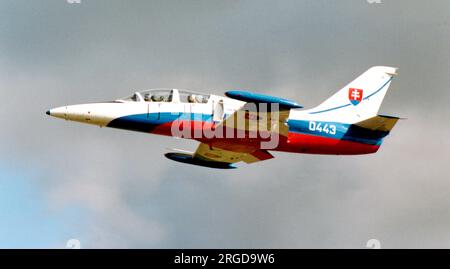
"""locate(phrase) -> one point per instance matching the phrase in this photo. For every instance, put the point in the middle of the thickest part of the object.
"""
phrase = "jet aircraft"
(243, 126)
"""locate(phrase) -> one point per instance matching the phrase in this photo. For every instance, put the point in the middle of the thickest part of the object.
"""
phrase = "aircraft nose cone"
(59, 112)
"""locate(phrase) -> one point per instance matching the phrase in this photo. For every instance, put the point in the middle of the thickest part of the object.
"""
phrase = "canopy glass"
(167, 95)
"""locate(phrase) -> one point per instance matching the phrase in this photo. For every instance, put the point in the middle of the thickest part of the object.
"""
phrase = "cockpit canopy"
(167, 95)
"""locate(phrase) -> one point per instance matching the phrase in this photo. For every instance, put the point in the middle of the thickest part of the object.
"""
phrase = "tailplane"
(371, 131)
(379, 123)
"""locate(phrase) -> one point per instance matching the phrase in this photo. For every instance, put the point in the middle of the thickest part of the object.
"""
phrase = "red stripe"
(295, 142)
(303, 143)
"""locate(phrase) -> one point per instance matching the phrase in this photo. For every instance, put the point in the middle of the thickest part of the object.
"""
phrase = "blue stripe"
(344, 131)
(365, 98)
(326, 110)
(147, 122)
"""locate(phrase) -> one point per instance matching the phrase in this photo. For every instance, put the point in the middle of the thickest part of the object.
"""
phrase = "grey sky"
(112, 188)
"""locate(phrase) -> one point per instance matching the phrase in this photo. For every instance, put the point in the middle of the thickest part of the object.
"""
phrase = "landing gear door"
(218, 112)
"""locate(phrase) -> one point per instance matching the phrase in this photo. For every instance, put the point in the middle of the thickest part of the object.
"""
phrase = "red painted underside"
(304, 143)
(295, 142)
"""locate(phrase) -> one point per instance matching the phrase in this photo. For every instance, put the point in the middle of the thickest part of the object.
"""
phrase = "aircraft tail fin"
(360, 99)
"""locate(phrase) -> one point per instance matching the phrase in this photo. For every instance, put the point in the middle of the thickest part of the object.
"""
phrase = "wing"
(262, 115)
(212, 157)
(255, 122)
(249, 121)
(214, 154)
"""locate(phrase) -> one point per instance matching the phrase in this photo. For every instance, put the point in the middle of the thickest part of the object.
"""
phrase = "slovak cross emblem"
(355, 96)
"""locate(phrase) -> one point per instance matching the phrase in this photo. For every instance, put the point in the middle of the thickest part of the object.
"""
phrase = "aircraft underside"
(298, 139)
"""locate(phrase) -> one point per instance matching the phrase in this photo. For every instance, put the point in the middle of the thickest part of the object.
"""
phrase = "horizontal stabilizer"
(262, 98)
(379, 123)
